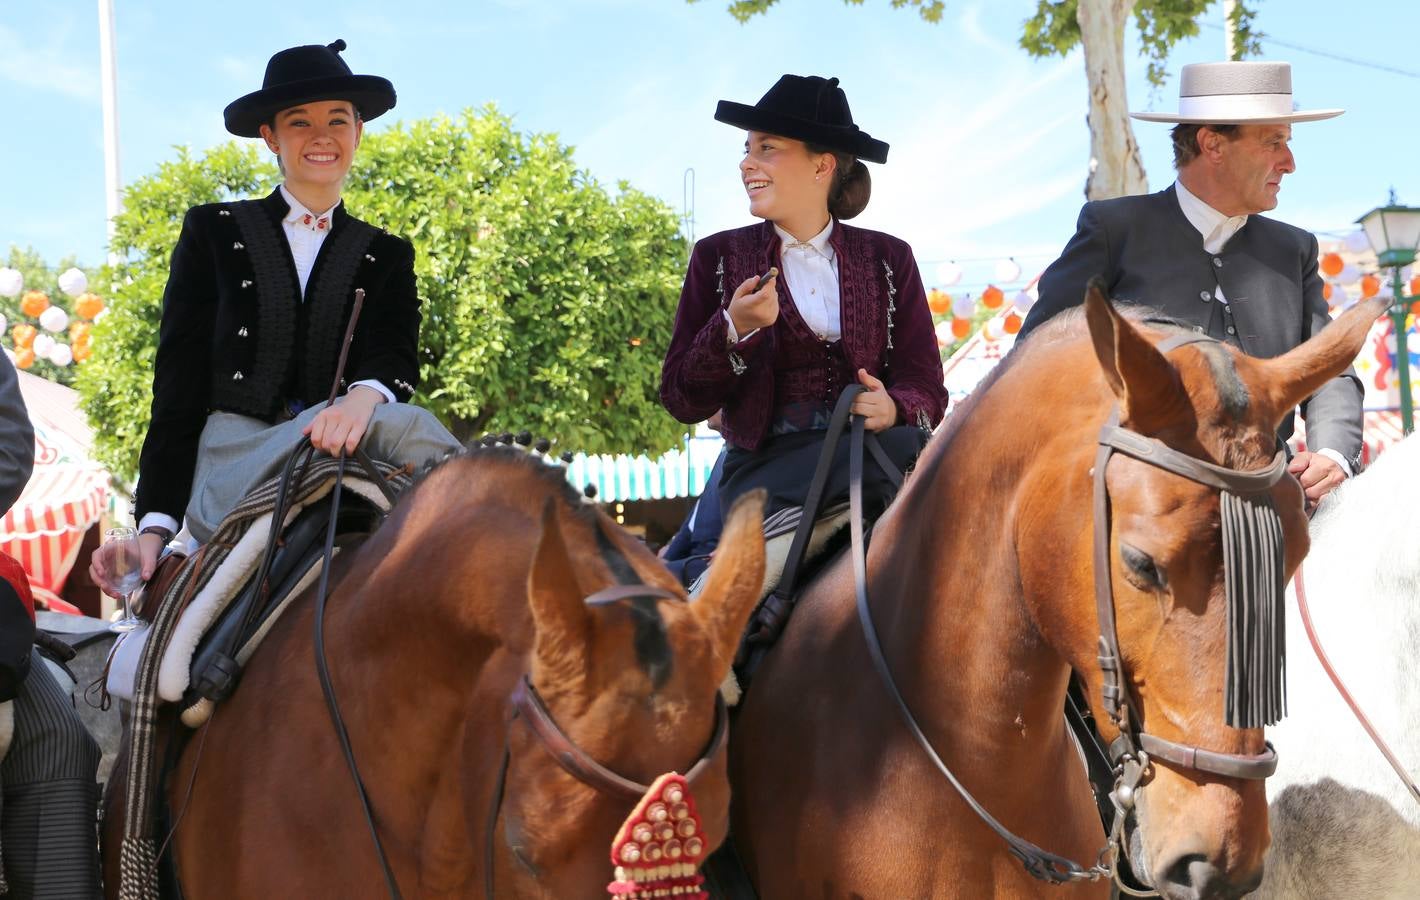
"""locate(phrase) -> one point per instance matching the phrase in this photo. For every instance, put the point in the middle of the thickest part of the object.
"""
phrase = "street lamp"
(1394, 233)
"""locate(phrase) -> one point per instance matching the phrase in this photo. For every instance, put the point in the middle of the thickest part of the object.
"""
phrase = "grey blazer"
(1150, 254)
(17, 438)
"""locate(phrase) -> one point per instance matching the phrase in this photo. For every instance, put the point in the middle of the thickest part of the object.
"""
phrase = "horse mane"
(553, 477)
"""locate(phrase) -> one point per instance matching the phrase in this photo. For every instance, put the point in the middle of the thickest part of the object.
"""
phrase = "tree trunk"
(1115, 167)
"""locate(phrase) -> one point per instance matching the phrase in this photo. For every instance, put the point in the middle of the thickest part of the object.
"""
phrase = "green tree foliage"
(547, 298)
(1054, 30)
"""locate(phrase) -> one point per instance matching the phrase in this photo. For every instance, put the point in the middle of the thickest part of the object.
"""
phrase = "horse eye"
(1140, 568)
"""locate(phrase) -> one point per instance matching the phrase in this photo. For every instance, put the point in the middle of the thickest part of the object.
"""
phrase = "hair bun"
(338, 46)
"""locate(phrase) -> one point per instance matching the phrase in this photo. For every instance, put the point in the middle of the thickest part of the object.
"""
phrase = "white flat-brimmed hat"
(1237, 93)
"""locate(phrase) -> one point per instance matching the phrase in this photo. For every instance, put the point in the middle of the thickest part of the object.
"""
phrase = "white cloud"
(39, 61)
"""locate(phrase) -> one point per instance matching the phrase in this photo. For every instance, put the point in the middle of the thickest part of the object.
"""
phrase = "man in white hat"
(1200, 253)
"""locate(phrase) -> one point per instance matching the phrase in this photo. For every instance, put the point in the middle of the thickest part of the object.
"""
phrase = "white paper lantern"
(1349, 274)
(948, 273)
(963, 306)
(1008, 270)
(944, 332)
(1356, 242)
(60, 354)
(993, 329)
(54, 319)
(43, 343)
(73, 282)
(1023, 302)
(11, 282)
(4, 323)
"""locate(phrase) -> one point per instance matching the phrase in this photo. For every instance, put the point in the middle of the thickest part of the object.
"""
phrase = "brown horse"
(981, 583)
(477, 577)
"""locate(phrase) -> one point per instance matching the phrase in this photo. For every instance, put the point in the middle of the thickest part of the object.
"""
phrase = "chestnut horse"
(981, 583)
(477, 577)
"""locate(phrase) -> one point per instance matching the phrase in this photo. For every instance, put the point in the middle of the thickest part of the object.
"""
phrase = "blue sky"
(989, 147)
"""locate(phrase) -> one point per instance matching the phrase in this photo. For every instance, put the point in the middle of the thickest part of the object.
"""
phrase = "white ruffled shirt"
(305, 232)
(1217, 229)
(810, 269)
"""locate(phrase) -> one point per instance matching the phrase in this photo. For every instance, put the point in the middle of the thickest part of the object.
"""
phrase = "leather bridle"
(1133, 752)
(529, 708)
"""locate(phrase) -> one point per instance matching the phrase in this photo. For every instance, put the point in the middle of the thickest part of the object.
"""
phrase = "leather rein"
(529, 708)
(1133, 752)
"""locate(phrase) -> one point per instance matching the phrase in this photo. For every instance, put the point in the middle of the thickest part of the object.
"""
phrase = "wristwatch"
(160, 531)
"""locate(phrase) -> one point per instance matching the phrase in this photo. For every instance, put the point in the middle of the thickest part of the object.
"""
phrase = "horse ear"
(1147, 385)
(735, 579)
(562, 625)
(1297, 374)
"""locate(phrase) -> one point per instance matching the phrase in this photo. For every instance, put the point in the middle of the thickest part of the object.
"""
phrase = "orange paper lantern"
(88, 305)
(1012, 323)
(1370, 286)
(1326, 292)
(961, 328)
(992, 297)
(34, 303)
(79, 331)
(82, 351)
(23, 335)
(938, 301)
(1415, 286)
(1332, 264)
(24, 359)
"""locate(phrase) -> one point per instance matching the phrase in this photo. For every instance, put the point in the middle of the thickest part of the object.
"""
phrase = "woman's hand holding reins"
(341, 425)
(875, 404)
(751, 309)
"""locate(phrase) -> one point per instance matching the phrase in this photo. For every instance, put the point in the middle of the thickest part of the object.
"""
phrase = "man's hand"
(751, 309)
(874, 404)
(341, 425)
(1318, 473)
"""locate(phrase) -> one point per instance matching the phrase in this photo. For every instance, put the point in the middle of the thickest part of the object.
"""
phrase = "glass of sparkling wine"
(126, 568)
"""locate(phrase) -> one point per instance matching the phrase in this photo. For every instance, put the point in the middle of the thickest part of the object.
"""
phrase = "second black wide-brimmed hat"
(303, 74)
(806, 108)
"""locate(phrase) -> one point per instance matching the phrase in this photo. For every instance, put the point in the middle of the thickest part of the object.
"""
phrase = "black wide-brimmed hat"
(300, 75)
(806, 108)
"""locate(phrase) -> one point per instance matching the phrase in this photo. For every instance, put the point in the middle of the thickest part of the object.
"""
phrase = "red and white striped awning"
(45, 527)
(65, 496)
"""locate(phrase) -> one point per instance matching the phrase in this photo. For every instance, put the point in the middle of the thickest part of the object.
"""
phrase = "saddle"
(218, 659)
(816, 533)
(225, 598)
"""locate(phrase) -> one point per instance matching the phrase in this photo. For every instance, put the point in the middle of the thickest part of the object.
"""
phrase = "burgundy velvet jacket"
(887, 329)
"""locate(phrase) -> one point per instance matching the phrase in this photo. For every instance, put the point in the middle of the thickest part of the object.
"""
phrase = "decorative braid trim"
(138, 870)
(892, 304)
(326, 311)
(277, 306)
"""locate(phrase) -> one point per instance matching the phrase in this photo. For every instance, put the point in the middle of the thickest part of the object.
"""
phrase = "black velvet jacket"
(237, 337)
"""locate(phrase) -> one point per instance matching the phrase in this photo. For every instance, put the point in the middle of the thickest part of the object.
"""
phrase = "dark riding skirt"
(784, 466)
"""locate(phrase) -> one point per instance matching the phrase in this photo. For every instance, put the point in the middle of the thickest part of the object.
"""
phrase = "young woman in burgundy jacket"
(847, 306)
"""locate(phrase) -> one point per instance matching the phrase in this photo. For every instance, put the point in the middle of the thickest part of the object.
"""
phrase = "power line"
(1326, 53)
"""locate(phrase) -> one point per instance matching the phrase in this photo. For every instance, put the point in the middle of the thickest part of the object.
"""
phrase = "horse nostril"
(1194, 877)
